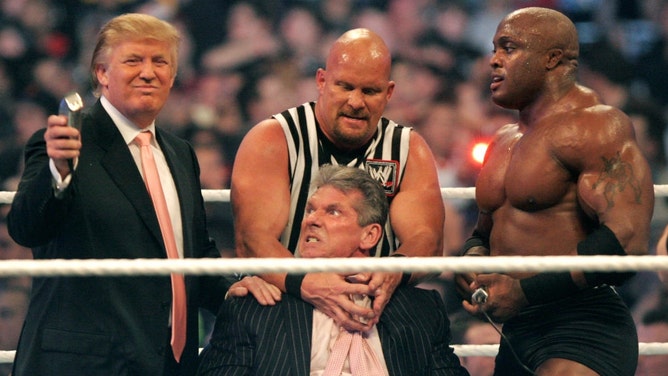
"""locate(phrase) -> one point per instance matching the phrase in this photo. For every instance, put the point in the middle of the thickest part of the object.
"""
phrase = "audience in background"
(653, 328)
(13, 307)
(14, 293)
(10, 250)
(241, 53)
(45, 48)
(471, 330)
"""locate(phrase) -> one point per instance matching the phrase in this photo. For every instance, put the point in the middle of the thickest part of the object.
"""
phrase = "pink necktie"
(363, 360)
(152, 180)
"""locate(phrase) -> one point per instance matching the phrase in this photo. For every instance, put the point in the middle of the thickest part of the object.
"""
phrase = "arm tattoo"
(617, 176)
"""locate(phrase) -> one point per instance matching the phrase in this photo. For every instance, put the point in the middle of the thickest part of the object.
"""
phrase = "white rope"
(223, 195)
(7, 356)
(135, 267)
(482, 350)
(6, 197)
(651, 348)
(661, 190)
(216, 195)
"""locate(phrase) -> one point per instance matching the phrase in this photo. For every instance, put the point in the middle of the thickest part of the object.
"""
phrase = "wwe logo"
(385, 172)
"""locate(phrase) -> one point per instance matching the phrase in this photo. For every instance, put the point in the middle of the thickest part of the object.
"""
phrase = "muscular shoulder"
(268, 128)
(505, 133)
(503, 137)
(264, 148)
(265, 138)
(418, 149)
(590, 131)
(583, 115)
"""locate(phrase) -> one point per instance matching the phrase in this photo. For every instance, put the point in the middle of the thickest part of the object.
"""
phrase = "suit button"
(165, 305)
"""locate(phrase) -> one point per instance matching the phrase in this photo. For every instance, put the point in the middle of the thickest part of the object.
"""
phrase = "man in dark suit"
(82, 196)
(343, 218)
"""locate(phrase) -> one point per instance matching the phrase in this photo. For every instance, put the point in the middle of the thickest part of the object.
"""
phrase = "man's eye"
(345, 86)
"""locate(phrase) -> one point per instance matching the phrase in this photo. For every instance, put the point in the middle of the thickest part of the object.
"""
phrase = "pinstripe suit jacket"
(250, 339)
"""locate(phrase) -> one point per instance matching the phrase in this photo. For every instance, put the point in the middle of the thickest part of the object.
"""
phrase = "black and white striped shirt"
(384, 158)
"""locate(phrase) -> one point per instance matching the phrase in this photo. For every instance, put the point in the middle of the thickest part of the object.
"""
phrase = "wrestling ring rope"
(125, 267)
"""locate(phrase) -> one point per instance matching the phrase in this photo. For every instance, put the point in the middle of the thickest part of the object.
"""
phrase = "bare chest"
(524, 172)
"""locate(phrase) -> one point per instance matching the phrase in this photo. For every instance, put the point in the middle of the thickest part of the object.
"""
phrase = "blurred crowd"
(242, 61)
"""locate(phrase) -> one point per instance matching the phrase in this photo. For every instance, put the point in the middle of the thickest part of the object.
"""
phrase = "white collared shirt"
(325, 333)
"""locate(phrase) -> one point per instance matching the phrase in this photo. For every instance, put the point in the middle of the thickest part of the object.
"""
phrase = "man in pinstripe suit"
(343, 218)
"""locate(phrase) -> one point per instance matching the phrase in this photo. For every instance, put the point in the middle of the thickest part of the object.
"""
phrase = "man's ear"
(555, 56)
(371, 234)
(101, 74)
(320, 79)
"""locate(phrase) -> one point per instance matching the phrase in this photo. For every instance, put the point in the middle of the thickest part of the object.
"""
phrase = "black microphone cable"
(479, 297)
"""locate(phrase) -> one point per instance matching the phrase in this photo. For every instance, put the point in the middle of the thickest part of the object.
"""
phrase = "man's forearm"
(276, 279)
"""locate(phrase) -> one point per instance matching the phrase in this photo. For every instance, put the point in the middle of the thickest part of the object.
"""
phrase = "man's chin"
(309, 251)
(351, 139)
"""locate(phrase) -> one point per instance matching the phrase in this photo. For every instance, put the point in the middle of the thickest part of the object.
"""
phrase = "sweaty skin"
(570, 164)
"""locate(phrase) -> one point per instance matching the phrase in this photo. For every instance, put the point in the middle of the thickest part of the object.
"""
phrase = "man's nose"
(313, 218)
(494, 60)
(356, 99)
(147, 71)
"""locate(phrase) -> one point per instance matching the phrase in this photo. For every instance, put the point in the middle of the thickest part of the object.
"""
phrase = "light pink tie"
(152, 180)
(363, 360)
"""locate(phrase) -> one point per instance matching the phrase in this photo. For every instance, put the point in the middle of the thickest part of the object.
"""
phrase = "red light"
(478, 152)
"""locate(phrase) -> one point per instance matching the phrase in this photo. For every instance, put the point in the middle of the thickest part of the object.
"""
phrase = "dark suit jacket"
(106, 325)
(250, 339)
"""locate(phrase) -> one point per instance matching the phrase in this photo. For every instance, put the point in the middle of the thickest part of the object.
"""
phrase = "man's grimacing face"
(330, 226)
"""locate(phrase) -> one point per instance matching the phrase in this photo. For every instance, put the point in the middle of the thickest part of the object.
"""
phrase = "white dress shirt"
(325, 333)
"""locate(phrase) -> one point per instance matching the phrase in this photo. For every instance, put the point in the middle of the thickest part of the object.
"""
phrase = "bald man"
(279, 156)
(567, 179)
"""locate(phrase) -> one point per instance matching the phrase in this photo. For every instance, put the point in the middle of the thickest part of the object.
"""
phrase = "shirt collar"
(128, 129)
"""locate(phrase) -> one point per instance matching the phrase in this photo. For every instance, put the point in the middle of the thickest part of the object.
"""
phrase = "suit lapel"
(180, 173)
(392, 332)
(299, 325)
(388, 343)
(121, 167)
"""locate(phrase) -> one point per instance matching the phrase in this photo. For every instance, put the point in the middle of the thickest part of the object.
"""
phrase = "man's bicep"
(260, 190)
(416, 215)
(417, 211)
(619, 193)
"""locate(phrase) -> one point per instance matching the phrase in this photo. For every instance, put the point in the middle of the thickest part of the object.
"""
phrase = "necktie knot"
(143, 138)
(353, 346)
